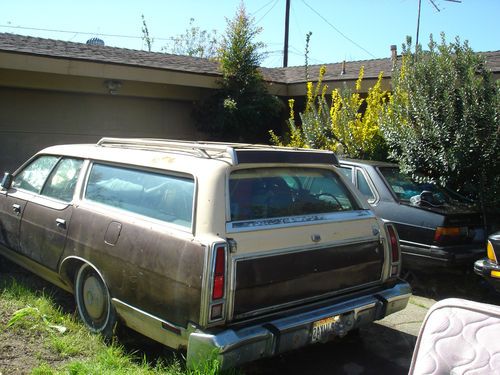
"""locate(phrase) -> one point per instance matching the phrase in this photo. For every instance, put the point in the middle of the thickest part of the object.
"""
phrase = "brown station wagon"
(242, 251)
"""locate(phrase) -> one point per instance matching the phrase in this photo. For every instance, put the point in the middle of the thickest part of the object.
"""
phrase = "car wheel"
(94, 302)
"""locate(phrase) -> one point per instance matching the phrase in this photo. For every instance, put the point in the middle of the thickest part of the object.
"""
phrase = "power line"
(262, 7)
(338, 31)
(79, 32)
(270, 9)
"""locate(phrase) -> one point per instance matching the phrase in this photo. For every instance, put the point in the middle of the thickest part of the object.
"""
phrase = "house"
(54, 92)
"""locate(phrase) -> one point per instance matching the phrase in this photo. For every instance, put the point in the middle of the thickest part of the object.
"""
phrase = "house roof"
(153, 60)
(104, 54)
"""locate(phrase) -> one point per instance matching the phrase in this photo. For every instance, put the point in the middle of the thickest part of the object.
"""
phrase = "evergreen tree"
(242, 109)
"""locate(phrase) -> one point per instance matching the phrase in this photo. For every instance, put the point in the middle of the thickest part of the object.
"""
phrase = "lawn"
(40, 333)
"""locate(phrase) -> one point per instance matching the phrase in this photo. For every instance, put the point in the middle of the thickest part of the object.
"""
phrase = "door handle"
(16, 208)
(61, 223)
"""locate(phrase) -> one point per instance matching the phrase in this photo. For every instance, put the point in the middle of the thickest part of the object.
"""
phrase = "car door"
(47, 215)
(26, 184)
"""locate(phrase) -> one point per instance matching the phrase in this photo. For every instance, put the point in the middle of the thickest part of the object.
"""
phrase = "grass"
(57, 343)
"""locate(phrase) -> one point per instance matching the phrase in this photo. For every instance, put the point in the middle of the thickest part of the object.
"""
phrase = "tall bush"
(443, 118)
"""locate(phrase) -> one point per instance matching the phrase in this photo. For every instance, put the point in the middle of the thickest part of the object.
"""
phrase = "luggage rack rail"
(237, 152)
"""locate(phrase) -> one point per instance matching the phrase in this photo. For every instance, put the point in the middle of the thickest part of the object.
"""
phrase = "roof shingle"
(113, 55)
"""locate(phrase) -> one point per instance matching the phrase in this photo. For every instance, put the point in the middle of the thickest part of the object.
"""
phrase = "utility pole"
(287, 22)
(418, 23)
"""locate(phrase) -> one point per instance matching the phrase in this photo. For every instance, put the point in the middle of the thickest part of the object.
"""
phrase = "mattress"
(458, 337)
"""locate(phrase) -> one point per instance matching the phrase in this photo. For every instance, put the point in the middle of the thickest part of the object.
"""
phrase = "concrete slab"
(410, 319)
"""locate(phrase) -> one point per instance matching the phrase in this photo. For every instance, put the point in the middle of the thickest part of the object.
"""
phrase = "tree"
(443, 118)
(145, 34)
(242, 109)
(338, 123)
(194, 42)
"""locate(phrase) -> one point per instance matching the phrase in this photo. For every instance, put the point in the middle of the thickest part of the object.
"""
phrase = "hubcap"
(94, 298)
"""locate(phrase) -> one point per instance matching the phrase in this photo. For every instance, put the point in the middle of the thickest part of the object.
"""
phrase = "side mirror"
(6, 181)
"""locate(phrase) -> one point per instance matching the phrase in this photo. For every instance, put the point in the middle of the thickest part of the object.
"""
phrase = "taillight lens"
(394, 247)
(219, 273)
(450, 234)
(393, 242)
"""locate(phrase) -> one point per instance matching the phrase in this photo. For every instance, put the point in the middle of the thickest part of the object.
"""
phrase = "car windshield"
(407, 189)
(263, 193)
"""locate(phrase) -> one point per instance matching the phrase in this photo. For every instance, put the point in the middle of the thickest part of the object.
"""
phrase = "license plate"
(323, 328)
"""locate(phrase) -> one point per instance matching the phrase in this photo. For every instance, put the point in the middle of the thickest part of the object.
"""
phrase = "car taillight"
(394, 247)
(450, 234)
(219, 282)
(219, 273)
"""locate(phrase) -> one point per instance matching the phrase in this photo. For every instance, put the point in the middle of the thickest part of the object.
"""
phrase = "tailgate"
(315, 261)
(300, 236)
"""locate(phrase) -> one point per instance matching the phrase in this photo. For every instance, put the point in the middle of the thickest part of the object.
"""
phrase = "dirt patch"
(21, 349)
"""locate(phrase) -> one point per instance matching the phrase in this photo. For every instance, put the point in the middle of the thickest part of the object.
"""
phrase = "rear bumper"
(437, 256)
(270, 338)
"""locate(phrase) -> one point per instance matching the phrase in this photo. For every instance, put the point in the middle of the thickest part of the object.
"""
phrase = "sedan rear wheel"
(94, 301)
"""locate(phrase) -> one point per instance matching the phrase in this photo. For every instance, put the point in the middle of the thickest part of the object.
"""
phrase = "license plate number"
(323, 328)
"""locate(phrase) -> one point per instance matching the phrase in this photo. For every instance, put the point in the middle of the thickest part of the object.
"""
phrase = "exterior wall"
(33, 119)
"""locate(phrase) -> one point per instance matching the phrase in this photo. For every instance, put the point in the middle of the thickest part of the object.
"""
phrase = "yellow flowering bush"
(337, 122)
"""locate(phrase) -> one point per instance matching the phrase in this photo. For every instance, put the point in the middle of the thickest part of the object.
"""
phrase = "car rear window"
(276, 192)
(164, 197)
(405, 188)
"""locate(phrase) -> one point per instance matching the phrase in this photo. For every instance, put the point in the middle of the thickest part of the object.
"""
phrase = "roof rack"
(238, 153)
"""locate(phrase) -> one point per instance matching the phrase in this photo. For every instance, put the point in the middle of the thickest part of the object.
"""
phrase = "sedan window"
(346, 171)
(34, 175)
(364, 187)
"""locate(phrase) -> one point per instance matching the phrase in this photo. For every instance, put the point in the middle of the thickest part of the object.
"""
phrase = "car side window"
(164, 197)
(347, 172)
(34, 175)
(364, 187)
(62, 181)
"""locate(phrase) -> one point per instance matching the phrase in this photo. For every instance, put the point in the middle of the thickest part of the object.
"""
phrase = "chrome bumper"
(270, 338)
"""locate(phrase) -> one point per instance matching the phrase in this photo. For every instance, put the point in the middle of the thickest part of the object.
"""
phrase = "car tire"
(93, 302)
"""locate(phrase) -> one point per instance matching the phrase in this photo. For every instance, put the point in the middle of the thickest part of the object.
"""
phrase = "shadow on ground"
(376, 349)
(439, 284)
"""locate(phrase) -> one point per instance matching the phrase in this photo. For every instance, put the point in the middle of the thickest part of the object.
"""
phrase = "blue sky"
(341, 29)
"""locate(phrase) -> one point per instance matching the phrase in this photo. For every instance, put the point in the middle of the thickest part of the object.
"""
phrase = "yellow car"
(489, 268)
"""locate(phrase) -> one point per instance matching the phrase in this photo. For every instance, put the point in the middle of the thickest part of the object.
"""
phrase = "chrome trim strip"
(205, 283)
(411, 225)
(291, 250)
(410, 243)
(295, 221)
